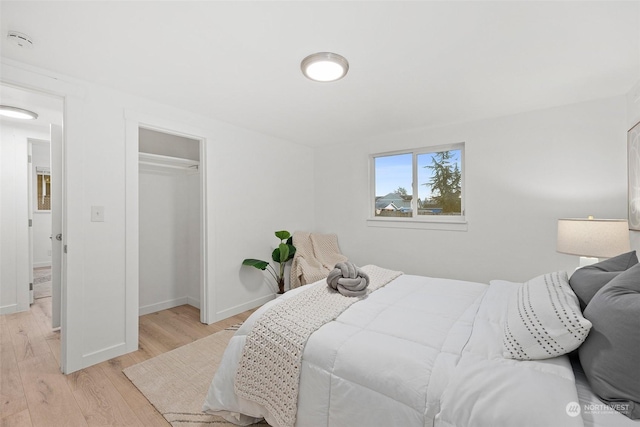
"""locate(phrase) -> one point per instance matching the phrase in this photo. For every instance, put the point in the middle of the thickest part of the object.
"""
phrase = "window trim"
(435, 222)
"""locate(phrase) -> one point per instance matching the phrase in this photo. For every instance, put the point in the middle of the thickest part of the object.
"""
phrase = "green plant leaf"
(292, 251)
(284, 252)
(280, 253)
(275, 255)
(257, 263)
(283, 234)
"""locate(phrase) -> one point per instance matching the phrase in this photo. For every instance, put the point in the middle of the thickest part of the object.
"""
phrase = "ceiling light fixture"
(17, 113)
(324, 67)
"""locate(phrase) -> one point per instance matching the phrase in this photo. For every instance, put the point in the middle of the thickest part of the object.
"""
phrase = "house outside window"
(420, 185)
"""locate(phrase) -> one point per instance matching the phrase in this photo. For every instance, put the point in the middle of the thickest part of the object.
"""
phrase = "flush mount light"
(17, 113)
(324, 67)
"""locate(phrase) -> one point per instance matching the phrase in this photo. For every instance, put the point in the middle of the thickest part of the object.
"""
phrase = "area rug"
(41, 282)
(176, 383)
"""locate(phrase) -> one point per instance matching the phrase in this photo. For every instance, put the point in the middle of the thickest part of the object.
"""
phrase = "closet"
(169, 221)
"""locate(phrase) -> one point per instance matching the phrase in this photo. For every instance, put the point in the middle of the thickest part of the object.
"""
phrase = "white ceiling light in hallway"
(17, 113)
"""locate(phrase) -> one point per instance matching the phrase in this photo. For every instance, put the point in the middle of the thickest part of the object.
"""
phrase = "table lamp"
(592, 238)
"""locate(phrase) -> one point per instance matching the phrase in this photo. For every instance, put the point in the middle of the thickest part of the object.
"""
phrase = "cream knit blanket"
(316, 255)
(269, 368)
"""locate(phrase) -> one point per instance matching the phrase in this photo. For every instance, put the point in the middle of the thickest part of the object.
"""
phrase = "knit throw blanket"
(269, 368)
(316, 255)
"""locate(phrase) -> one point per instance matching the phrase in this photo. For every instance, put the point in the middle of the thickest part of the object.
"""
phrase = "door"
(30, 205)
(57, 246)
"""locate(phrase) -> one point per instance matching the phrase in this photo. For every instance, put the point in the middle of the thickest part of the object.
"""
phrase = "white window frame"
(41, 171)
(429, 222)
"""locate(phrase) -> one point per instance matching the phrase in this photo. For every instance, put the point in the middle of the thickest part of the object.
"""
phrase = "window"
(424, 185)
(43, 183)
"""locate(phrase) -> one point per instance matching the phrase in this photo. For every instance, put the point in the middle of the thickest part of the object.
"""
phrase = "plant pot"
(281, 285)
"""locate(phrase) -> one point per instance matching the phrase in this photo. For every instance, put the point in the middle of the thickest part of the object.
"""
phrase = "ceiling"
(412, 64)
(49, 108)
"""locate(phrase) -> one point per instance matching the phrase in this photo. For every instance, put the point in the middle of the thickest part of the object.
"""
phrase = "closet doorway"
(170, 221)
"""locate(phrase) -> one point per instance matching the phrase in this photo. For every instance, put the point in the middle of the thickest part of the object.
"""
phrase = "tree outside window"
(434, 175)
(440, 183)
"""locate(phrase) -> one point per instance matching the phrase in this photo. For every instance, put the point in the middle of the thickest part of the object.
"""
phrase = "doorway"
(135, 122)
(169, 206)
(36, 198)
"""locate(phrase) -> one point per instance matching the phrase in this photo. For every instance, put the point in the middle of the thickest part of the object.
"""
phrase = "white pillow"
(544, 319)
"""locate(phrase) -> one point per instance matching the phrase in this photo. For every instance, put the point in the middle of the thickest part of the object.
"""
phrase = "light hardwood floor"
(33, 392)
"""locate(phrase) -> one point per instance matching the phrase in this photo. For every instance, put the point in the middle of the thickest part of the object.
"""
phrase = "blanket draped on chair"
(316, 255)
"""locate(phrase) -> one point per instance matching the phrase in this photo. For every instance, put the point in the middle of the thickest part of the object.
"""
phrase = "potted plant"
(283, 253)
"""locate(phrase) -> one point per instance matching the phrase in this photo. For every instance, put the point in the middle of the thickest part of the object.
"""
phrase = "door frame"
(30, 196)
(135, 121)
(23, 293)
(72, 97)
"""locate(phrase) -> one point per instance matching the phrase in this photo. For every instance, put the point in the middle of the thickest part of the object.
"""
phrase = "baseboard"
(14, 308)
(9, 309)
(42, 264)
(193, 302)
(152, 308)
(232, 311)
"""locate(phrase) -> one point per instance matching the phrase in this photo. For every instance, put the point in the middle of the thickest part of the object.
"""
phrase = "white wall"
(169, 224)
(165, 144)
(193, 240)
(262, 185)
(166, 240)
(633, 105)
(40, 155)
(14, 211)
(255, 184)
(523, 172)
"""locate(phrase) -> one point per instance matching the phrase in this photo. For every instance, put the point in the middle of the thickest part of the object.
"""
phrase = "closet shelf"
(148, 161)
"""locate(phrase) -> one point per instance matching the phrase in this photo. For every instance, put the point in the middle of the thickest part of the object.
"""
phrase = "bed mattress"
(418, 352)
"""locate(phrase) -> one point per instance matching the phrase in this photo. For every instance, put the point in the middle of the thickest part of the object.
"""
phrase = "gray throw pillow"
(586, 281)
(610, 354)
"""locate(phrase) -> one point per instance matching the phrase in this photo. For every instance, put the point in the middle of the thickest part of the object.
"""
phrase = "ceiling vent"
(19, 39)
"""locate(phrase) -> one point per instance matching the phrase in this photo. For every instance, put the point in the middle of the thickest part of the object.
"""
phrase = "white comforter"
(418, 352)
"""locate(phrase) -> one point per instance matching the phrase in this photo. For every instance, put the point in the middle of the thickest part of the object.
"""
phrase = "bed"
(418, 351)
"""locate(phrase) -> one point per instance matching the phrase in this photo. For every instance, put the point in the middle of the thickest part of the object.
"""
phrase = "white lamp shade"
(598, 238)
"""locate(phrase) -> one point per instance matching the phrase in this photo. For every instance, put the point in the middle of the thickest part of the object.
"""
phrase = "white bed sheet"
(384, 361)
(488, 390)
(379, 353)
(418, 352)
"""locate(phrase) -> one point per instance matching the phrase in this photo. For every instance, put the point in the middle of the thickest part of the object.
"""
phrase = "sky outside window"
(393, 172)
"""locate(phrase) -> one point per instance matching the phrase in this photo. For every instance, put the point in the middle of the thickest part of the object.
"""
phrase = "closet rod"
(157, 160)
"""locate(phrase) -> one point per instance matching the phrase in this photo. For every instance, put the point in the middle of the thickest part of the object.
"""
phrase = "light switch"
(97, 213)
